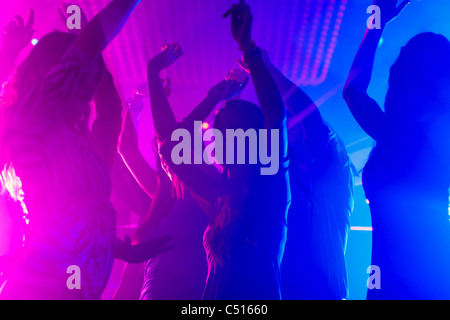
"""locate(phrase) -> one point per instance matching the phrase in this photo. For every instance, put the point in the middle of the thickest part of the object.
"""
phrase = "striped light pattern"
(300, 36)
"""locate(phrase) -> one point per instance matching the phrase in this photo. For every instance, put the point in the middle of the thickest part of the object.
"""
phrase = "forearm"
(104, 27)
(162, 206)
(108, 122)
(126, 187)
(143, 173)
(267, 91)
(295, 99)
(362, 67)
(201, 112)
(202, 179)
(364, 109)
(299, 104)
(163, 117)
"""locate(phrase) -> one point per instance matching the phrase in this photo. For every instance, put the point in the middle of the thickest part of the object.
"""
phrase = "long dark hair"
(30, 72)
(418, 93)
(234, 205)
(419, 81)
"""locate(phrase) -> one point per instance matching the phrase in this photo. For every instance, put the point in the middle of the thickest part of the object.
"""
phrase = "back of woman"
(407, 188)
(65, 182)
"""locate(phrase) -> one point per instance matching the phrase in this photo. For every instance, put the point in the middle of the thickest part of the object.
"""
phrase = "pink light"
(302, 36)
(311, 42)
(322, 41)
(332, 45)
(205, 125)
(361, 228)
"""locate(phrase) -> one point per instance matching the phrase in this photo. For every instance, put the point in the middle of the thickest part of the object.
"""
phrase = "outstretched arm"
(298, 103)
(222, 91)
(129, 143)
(306, 113)
(366, 110)
(266, 89)
(203, 180)
(163, 116)
(104, 27)
(108, 122)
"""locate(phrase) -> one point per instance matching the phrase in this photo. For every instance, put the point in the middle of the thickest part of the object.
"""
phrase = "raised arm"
(266, 89)
(203, 180)
(129, 148)
(298, 103)
(224, 90)
(366, 110)
(163, 116)
(108, 122)
(104, 27)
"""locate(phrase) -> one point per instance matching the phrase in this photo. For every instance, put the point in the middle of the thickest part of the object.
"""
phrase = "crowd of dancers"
(267, 237)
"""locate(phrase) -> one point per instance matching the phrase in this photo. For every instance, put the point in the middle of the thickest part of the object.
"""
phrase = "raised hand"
(238, 75)
(229, 88)
(224, 90)
(17, 34)
(171, 53)
(241, 25)
(389, 9)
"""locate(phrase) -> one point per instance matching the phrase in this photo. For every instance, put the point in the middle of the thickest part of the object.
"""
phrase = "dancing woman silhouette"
(407, 176)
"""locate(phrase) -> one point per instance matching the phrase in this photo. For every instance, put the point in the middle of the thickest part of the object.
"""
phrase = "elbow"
(277, 120)
(347, 91)
(351, 91)
(355, 88)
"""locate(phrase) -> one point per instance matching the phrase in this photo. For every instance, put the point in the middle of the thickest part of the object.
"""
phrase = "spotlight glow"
(361, 228)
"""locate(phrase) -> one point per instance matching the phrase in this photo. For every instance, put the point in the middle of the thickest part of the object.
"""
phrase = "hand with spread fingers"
(17, 34)
(171, 53)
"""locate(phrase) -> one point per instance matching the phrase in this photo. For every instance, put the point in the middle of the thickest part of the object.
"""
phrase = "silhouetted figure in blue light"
(321, 178)
(407, 176)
